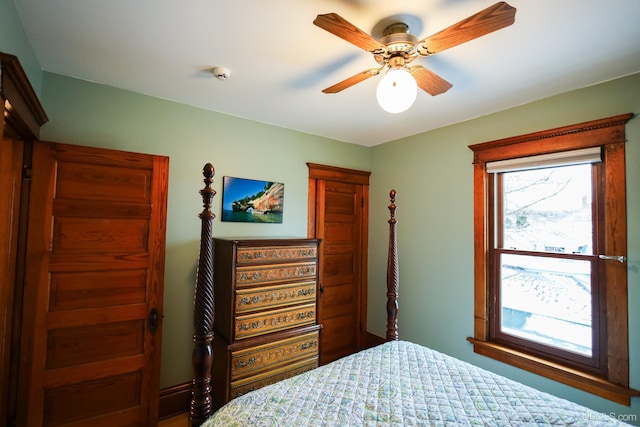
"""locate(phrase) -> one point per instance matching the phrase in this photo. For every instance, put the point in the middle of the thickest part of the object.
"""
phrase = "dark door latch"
(153, 320)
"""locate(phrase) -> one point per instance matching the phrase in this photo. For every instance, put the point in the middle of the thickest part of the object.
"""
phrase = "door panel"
(75, 291)
(341, 341)
(99, 236)
(94, 343)
(339, 267)
(91, 398)
(95, 266)
(340, 231)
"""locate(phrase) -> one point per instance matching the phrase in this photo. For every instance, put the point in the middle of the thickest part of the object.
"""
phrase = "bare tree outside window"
(546, 298)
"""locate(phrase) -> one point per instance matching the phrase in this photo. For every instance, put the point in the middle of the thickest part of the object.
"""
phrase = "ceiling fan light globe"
(397, 90)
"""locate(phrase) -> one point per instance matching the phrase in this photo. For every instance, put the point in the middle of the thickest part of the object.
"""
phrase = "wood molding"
(371, 340)
(24, 115)
(174, 400)
(601, 132)
(584, 381)
(334, 173)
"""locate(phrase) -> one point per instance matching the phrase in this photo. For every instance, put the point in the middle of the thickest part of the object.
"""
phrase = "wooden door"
(90, 342)
(10, 194)
(339, 200)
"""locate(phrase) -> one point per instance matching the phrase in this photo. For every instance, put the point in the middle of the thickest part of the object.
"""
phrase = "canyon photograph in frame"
(250, 200)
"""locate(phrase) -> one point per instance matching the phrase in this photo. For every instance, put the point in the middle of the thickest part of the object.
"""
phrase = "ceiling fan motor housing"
(400, 46)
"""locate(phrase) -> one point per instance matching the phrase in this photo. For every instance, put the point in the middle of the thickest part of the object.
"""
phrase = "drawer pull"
(246, 300)
(308, 345)
(245, 363)
(308, 314)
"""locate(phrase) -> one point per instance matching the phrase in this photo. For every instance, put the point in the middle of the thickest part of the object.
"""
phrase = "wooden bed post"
(202, 357)
(392, 273)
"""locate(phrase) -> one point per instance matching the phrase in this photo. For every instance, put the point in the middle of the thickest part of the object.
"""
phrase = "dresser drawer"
(265, 327)
(240, 387)
(270, 356)
(269, 254)
(267, 297)
(259, 274)
(250, 325)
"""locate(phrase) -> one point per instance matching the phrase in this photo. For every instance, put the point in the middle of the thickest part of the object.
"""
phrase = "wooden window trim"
(608, 133)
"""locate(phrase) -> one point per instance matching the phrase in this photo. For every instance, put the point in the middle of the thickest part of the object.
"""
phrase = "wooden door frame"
(23, 115)
(352, 176)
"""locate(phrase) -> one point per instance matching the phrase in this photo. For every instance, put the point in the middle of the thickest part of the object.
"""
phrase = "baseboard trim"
(174, 400)
(371, 340)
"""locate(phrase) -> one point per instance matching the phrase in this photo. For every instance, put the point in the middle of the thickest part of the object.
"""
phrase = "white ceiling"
(280, 62)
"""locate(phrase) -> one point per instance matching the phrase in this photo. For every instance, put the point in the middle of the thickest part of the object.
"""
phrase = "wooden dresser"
(265, 317)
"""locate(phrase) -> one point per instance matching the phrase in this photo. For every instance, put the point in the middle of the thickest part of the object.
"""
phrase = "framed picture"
(249, 200)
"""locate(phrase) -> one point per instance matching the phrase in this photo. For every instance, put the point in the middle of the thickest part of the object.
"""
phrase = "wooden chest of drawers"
(265, 320)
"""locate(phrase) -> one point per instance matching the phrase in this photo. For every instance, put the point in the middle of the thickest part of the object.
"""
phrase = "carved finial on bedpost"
(201, 406)
(392, 273)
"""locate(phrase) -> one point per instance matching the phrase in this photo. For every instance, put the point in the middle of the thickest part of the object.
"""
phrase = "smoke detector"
(221, 73)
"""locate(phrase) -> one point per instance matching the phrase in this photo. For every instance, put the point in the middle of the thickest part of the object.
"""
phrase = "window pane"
(547, 300)
(548, 210)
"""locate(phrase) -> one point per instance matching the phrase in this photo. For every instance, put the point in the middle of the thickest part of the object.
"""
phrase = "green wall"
(14, 40)
(433, 175)
(89, 114)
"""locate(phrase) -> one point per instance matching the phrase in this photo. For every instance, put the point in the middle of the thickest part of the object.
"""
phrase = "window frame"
(594, 364)
(612, 382)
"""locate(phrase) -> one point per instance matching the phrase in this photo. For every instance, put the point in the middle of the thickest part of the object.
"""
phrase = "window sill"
(572, 377)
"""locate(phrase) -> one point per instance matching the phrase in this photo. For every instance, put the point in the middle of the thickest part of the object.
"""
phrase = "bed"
(396, 383)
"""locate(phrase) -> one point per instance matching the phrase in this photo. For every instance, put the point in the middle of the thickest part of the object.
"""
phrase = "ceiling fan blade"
(337, 25)
(347, 83)
(491, 19)
(429, 81)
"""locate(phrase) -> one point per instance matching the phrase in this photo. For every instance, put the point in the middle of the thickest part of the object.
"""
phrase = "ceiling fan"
(398, 48)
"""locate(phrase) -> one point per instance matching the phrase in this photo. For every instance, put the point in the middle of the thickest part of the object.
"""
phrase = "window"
(543, 271)
(550, 212)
